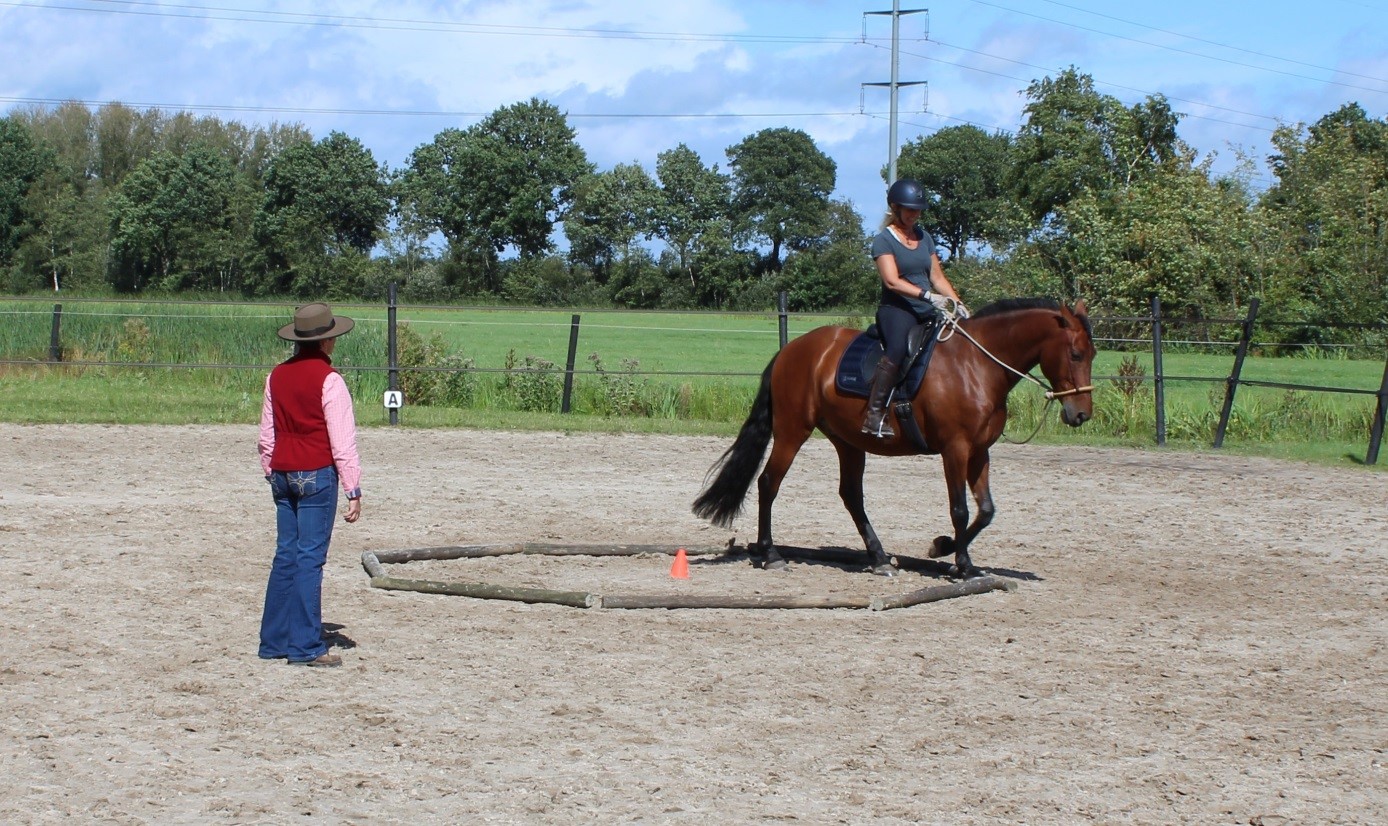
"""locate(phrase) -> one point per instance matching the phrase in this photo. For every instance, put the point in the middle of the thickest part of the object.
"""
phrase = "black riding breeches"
(894, 323)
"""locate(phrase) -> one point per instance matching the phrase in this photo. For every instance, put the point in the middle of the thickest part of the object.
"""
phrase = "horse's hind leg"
(852, 462)
(785, 445)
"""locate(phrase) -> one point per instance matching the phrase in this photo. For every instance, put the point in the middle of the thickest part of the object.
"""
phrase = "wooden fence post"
(392, 351)
(782, 313)
(1376, 432)
(566, 404)
(1231, 384)
(55, 345)
(1158, 380)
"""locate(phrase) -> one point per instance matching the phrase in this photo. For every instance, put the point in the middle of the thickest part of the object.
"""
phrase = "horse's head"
(1067, 360)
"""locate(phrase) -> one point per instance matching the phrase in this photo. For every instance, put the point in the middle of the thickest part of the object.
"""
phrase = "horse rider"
(914, 290)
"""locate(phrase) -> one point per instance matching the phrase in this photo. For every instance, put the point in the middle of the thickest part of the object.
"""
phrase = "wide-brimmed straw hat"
(316, 322)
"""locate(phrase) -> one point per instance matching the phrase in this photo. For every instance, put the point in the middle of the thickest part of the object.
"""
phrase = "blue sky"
(637, 78)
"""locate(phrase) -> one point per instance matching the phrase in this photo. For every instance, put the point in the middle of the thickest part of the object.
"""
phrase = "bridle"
(951, 325)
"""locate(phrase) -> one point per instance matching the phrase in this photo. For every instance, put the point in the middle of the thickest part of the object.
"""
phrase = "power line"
(222, 13)
(1229, 46)
(1178, 50)
(443, 26)
(1105, 83)
(201, 12)
(895, 84)
(304, 110)
(1115, 85)
(1274, 118)
(370, 22)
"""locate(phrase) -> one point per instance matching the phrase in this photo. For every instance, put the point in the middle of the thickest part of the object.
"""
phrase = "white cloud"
(383, 61)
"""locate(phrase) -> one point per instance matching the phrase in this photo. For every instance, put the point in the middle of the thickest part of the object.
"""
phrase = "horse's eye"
(1076, 355)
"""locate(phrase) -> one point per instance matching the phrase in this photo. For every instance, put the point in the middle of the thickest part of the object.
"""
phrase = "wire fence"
(1146, 334)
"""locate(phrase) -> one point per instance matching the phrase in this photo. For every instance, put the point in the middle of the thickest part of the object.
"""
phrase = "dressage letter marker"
(394, 400)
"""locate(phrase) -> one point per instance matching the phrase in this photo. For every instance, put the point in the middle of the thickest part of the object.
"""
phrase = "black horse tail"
(721, 502)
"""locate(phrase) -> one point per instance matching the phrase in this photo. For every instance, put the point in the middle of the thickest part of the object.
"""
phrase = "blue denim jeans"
(305, 506)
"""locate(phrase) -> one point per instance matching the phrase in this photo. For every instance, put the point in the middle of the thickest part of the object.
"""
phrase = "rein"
(952, 325)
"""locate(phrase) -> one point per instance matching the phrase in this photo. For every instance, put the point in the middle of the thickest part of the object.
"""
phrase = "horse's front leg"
(983, 497)
(964, 473)
(852, 462)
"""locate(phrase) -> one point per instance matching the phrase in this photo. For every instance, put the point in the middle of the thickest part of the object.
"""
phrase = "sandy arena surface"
(1194, 639)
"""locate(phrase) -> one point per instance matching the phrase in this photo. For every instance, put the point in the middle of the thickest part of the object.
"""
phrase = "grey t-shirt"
(912, 264)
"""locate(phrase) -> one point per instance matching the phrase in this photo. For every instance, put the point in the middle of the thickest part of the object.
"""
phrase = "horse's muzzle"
(1074, 418)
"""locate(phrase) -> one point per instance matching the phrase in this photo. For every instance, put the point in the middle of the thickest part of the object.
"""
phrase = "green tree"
(610, 211)
(68, 243)
(637, 282)
(504, 182)
(694, 204)
(550, 281)
(1076, 140)
(1329, 210)
(68, 131)
(966, 173)
(22, 162)
(782, 184)
(66, 246)
(324, 208)
(723, 271)
(171, 221)
(1177, 235)
(123, 137)
(834, 270)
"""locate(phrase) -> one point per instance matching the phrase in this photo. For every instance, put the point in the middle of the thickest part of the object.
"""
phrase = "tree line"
(1090, 197)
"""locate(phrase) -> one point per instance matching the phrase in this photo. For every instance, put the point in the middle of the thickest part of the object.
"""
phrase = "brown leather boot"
(875, 422)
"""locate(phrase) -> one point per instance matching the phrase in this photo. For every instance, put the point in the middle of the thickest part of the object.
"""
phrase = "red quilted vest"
(301, 430)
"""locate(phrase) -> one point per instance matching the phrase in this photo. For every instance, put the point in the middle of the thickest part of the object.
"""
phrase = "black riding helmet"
(908, 193)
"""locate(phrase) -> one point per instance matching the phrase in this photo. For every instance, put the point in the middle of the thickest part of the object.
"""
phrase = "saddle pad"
(854, 374)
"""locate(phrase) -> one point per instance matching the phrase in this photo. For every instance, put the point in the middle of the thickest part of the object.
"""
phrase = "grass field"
(138, 362)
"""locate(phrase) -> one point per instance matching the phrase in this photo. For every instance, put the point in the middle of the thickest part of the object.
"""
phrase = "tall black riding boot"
(876, 420)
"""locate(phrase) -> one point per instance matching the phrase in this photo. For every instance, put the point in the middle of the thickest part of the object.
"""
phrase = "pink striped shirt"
(342, 431)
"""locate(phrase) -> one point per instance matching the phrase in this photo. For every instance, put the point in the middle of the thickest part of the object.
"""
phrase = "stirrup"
(883, 429)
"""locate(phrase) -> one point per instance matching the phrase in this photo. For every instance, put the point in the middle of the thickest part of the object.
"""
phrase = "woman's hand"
(941, 302)
(353, 510)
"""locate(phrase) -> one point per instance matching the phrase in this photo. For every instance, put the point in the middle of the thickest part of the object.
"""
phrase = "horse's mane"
(1012, 305)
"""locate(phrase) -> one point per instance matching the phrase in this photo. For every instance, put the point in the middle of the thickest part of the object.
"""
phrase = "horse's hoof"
(942, 546)
(885, 570)
(774, 565)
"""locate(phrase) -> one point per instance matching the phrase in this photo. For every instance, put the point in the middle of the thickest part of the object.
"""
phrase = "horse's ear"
(1080, 308)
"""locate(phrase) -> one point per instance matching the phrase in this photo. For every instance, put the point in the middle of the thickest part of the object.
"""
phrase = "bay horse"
(960, 409)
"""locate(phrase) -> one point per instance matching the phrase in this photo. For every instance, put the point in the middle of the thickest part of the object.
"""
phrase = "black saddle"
(859, 361)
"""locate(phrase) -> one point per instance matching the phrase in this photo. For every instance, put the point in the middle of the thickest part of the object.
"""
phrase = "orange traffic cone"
(680, 570)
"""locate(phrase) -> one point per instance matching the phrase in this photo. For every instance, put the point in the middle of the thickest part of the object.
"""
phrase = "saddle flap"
(916, 339)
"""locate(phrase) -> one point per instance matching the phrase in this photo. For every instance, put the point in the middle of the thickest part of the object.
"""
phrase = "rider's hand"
(941, 302)
(961, 311)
